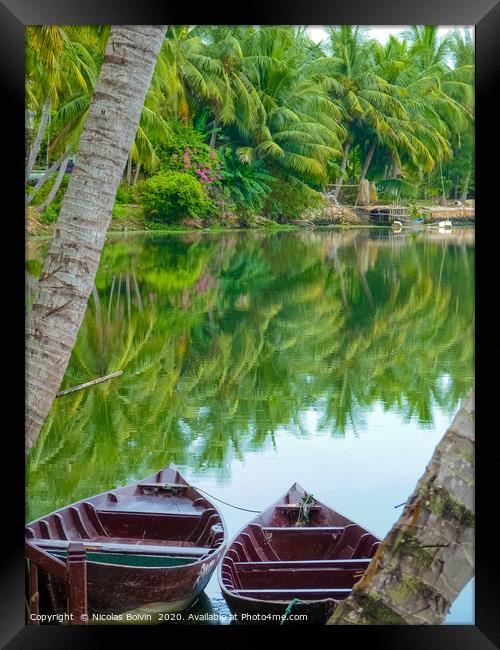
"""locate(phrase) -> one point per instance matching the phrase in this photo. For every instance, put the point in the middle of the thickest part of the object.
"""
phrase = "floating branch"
(90, 383)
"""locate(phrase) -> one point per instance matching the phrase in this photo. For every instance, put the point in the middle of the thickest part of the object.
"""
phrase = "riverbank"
(130, 218)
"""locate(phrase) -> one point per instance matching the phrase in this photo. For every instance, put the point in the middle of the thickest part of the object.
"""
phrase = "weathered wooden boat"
(298, 556)
(147, 547)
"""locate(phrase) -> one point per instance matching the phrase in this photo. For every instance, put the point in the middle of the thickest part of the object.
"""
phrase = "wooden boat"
(151, 546)
(298, 556)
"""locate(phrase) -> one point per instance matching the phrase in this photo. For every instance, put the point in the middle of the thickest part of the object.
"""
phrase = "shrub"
(169, 196)
(289, 199)
(125, 194)
(50, 214)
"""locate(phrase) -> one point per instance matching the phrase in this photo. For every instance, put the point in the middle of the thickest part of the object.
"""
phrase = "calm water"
(252, 360)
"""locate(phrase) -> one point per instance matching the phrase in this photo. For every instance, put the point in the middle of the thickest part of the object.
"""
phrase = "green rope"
(288, 610)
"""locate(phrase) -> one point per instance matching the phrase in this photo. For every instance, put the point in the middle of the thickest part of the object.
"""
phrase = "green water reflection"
(224, 339)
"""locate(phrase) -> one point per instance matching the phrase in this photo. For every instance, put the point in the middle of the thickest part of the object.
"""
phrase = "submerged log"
(428, 556)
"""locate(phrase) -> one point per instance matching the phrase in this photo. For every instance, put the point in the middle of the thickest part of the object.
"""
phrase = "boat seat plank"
(286, 594)
(353, 564)
(296, 506)
(139, 549)
(114, 539)
(163, 488)
(303, 529)
(151, 504)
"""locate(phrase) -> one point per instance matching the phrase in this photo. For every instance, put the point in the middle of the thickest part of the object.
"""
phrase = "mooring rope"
(231, 505)
(288, 610)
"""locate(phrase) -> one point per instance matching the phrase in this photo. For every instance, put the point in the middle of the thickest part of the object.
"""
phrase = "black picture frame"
(14, 15)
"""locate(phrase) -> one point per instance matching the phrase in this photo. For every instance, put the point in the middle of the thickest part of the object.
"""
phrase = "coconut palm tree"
(373, 105)
(400, 97)
(57, 63)
(301, 131)
(71, 264)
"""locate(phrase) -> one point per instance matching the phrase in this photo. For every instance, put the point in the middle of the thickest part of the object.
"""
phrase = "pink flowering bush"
(203, 163)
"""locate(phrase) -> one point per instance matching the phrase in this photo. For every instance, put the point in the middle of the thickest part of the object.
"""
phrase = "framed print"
(248, 322)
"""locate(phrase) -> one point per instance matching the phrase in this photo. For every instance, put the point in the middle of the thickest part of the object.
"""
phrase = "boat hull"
(260, 612)
(119, 590)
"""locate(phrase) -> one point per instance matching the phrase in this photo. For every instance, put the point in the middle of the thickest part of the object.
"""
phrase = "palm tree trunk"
(129, 170)
(213, 137)
(428, 556)
(368, 160)
(41, 182)
(465, 186)
(56, 186)
(71, 264)
(343, 165)
(137, 170)
(38, 140)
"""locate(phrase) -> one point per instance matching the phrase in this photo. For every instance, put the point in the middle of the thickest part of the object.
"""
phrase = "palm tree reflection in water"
(226, 339)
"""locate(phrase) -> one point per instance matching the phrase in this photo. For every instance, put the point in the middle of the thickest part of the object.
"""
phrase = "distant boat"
(152, 545)
(299, 556)
(397, 225)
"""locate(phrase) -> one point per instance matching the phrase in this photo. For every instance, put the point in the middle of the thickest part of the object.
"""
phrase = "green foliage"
(275, 105)
(247, 184)
(289, 199)
(33, 267)
(51, 213)
(126, 193)
(395, 188)
(170, 196)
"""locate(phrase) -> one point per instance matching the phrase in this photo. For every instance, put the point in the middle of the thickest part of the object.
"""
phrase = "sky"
(381, 33)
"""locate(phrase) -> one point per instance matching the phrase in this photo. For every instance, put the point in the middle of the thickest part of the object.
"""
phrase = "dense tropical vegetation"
(262, 118)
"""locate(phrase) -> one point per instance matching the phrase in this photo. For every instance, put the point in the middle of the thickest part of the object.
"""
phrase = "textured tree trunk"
(343, 165)
(213, 137)
(38, 140)
(129, 170)
(41, 181)
(56, 186)
(70, 267)
(137, 170)
(428, 556)
(465, 187)
(368, 160)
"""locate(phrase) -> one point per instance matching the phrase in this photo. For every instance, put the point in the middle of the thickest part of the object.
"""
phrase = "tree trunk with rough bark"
(56, 186)
(213, 137)
(368, 160)
(137, 170)
(343, 165)
(71, 264)
(465, 186)
(38, 140)
(129, 170)
(428, 556)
